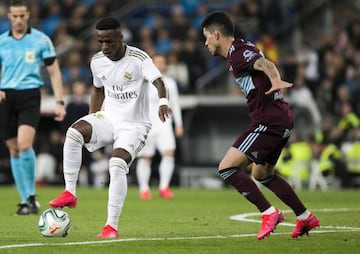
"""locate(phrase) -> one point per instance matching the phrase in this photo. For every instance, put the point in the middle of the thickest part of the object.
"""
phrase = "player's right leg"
(73, 144)
(232, 171)
(92, 131)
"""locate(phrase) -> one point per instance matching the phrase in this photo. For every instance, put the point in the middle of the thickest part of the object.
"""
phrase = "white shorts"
(161, 137)
(128, 136)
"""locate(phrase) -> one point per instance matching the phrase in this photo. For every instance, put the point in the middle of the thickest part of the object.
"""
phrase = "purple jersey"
(270, 110)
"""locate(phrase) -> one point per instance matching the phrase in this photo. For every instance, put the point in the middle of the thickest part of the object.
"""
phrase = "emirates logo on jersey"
(127, 76)
(122, 96)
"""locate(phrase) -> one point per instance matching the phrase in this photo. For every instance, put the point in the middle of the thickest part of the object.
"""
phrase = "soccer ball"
(54, 222)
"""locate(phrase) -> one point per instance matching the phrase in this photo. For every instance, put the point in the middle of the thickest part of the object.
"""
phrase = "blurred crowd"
(325, 70)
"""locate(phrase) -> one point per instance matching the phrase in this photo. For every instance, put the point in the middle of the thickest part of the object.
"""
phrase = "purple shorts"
(261, 144)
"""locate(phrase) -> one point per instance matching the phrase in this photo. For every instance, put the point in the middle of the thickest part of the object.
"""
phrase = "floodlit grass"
(196, 221)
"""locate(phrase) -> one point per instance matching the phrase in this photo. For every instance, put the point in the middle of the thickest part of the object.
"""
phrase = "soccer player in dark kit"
(271, 122)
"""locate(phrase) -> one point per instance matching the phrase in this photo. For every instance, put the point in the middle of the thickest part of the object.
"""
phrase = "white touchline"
(245, 217)
(240, 217)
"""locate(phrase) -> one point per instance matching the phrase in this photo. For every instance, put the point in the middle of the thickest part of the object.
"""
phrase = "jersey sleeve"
(47, 47)
(243, 57)
(150, 71)
(96, 79)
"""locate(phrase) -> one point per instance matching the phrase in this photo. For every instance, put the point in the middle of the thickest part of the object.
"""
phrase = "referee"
(22, 51)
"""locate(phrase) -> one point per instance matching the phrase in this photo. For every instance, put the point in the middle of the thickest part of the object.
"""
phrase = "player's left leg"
(27, 156)
(127, 144)
(282, 189)
(118, 168)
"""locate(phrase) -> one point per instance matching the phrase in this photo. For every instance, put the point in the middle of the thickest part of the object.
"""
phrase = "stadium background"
(315, 44)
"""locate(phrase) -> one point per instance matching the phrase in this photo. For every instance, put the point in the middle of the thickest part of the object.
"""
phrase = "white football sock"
(72, 152)
(304, 215)
(268, 211)
(143, 172)
(117, 190)
(166, 170)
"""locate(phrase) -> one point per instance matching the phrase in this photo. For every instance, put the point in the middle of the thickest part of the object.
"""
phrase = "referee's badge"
(30, 56)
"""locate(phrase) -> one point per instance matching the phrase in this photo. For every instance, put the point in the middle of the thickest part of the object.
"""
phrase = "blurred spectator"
(163, 44)
(77, 106)
(246, 15)
(51, 22)
(272, 16)
(62, 40)
(4, 21)
(190, 6)
(324, 97)
(354, 33)
(288, 65)
(201, 11)
(301, 95)
(308, 57)
(178, 71)
(127, 33)
(74, 69)
(195, 62)
(49, 158)
(267, 45)
(178, 23)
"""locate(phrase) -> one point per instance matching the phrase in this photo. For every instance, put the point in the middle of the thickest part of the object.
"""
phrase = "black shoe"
(23, 209)
(34, 205)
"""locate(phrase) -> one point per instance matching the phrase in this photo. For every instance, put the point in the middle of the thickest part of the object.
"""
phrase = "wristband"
(163, 102)
(61, 102)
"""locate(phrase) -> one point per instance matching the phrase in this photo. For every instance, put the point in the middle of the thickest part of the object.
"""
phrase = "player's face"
(211, 42)
(111, 43)
(19, 17)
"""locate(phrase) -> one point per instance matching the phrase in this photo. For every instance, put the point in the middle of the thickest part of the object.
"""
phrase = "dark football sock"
(245, 186)
(285, 192)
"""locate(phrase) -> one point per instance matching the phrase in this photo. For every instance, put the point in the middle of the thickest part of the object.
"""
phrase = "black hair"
(107, 23)
(220, 21)
(15, 3)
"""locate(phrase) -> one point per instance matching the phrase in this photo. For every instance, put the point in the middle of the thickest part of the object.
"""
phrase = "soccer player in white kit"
(161, 137)
(119, 115)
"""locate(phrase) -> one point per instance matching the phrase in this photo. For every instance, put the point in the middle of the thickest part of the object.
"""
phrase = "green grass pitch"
(196, 221)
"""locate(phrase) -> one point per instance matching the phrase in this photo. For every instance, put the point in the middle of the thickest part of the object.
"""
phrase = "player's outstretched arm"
(164, 110)
(269, 68)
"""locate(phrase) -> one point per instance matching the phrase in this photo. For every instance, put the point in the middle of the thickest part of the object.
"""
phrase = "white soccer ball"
(54, 222)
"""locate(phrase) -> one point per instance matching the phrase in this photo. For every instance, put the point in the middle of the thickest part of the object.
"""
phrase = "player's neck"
(18, 34)
(226, 46)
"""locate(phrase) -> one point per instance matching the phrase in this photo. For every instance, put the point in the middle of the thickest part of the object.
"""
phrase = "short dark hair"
(221, 21)
(15, 3)
(107, 23)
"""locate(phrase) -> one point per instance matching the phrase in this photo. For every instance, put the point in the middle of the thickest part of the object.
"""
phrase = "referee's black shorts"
(20, 107)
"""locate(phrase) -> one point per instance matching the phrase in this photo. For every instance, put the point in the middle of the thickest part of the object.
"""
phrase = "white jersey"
(173, 104)
(125, 89)
(161, 135)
